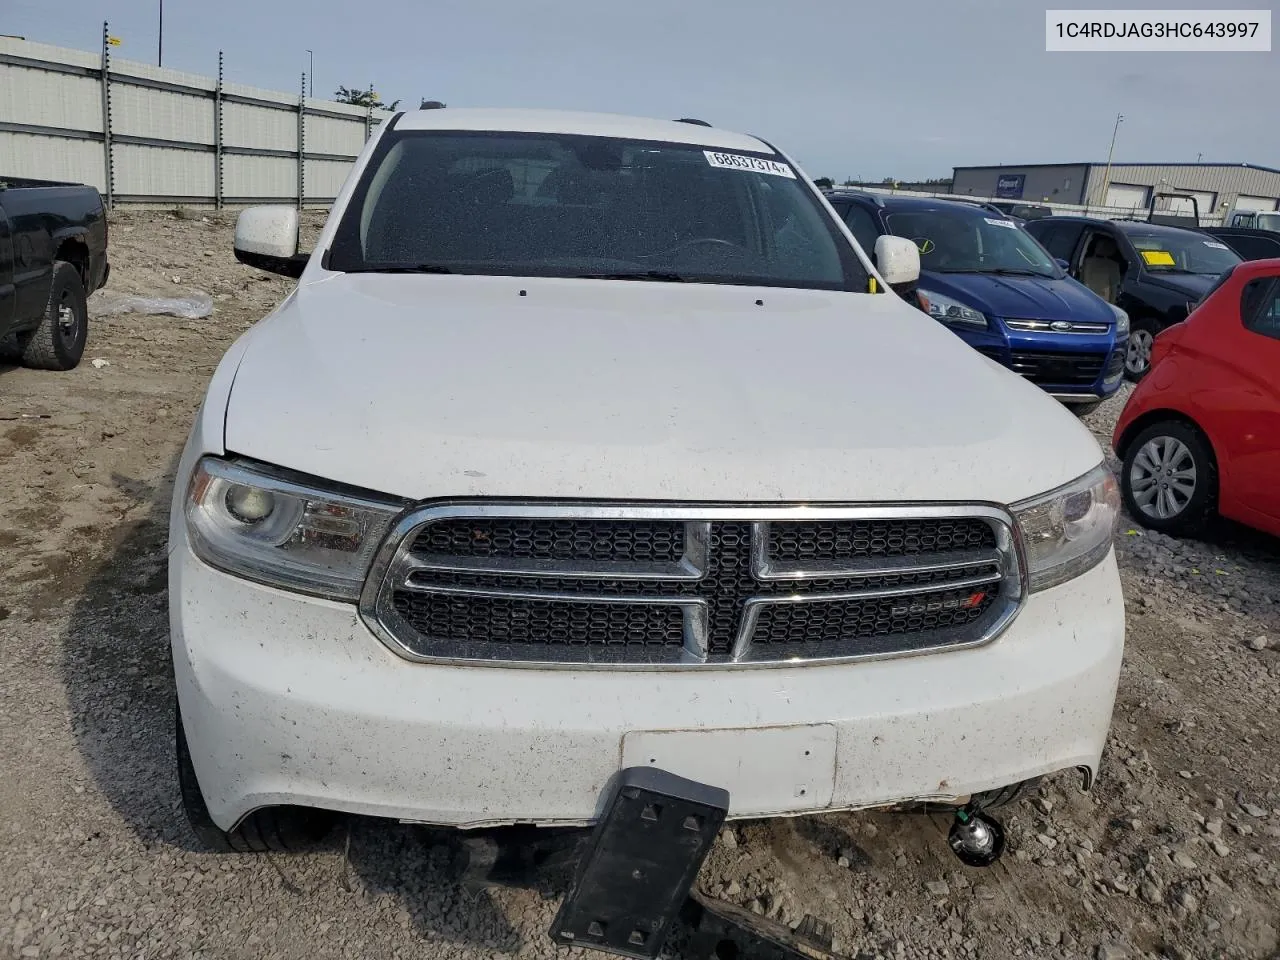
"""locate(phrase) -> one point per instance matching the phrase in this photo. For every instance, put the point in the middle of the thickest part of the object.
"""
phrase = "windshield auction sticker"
(1158, 258)
(1001, 223)
(738, 161)
(1165, 31)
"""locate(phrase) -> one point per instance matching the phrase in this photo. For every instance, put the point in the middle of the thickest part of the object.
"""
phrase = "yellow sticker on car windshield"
(1158, 258)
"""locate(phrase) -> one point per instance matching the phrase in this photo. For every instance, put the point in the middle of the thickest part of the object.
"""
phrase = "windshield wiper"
(659, 276)
(1000, 271)
(1017, 272)
(402, 268)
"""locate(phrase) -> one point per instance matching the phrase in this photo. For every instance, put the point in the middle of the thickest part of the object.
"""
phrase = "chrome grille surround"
(400, 574)
(1057, 326)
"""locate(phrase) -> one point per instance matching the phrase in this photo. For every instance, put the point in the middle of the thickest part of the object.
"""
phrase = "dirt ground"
(1175, 854)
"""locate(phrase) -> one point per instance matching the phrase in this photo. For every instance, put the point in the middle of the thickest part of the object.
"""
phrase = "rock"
(1150, 892)
(98, 363)
(1188, 902)
(938, 888)
(1243, 829)
(1253, 810)
(1044, 805)
(1111, 951)
(1259, 643)
(842, 862)
(1213, 827)
(1185, 774)
(1046, 841)
(1184, 861)
(1086, 845)
(728, 839)
(733, 889)
(1220, 848)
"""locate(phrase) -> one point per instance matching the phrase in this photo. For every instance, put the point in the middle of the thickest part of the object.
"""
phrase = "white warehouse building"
(1217, 187)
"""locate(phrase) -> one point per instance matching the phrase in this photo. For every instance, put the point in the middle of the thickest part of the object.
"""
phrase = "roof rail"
(699, 123)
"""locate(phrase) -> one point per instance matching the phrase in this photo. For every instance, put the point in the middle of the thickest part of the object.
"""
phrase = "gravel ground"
(1175, 854)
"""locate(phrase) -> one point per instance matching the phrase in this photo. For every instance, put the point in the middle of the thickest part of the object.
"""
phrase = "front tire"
(1170, 479)
(58, 343)
(272, 829)
(1084, 409)
(1137, 358)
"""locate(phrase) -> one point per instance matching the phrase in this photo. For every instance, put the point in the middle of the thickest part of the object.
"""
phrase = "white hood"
(448, 386)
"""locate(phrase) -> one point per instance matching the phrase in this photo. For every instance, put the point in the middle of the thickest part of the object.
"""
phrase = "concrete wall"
(158, 140)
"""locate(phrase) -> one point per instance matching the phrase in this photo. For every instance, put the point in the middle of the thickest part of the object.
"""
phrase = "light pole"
(160, 38)
(1106, 177)
(311, 74)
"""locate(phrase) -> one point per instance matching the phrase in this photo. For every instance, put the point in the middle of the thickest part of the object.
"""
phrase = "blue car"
(992, 284)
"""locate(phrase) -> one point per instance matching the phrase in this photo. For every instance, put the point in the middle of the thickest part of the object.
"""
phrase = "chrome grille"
(1058, 326)
(632, 585)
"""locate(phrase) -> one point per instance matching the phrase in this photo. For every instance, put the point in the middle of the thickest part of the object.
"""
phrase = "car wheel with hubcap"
(1137, 357)
(1169, 480)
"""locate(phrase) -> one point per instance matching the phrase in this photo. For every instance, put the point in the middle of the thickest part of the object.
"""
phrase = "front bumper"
(1013, 349)
(287, 699)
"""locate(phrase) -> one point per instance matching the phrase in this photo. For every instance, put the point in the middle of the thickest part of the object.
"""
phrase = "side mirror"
(897, 259)
(267, 238)
(1063, 264)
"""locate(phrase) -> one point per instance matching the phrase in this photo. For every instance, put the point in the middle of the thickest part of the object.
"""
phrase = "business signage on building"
(1009, 185)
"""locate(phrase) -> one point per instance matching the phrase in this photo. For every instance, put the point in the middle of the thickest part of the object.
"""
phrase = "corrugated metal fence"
(150, 135)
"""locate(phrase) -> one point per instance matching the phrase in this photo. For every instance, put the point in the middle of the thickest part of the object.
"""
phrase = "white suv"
(588, 442)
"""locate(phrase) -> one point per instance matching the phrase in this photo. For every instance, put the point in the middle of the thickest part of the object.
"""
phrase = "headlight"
(952, 311)
(1122, 322)
(258, 525)
(1069, 530)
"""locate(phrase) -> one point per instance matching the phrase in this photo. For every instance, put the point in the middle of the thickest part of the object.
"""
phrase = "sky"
(908, 89)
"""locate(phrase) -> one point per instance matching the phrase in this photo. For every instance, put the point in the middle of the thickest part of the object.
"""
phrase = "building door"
(1127, 196)
(1244, 202)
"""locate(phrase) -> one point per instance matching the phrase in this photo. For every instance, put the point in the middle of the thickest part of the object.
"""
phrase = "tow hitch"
(633, 875)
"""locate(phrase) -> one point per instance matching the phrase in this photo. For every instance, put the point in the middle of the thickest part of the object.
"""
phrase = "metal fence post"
(106, 114)
(302, 141)
(217, 139)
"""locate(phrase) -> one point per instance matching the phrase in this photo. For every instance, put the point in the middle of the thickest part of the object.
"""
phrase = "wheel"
(1170, 480)
(272, 829)
(1137, 358)
(58, 343)
(1084, 409)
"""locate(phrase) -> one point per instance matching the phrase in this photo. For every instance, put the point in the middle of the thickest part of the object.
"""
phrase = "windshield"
(1183, 253)
(520, 204)
(968, 241)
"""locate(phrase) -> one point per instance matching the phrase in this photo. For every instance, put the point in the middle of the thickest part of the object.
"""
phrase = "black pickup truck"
(53, 254)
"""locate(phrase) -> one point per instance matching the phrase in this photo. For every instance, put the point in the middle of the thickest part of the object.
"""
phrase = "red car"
(1201, 432)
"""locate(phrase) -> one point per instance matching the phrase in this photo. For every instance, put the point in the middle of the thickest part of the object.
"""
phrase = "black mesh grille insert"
(603, 626)
(455, 618)
(835, 540)
(635, 541)
(819, 626)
